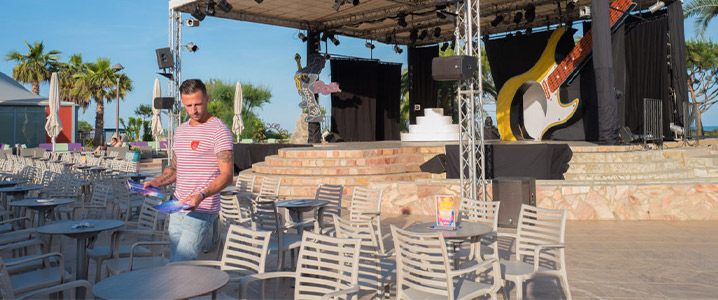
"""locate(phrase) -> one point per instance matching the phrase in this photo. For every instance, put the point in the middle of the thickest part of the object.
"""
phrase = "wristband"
(203, 196)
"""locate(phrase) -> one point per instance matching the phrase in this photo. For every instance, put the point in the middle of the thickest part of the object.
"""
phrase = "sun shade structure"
(156, 121)
(53, 126)
(237, 123)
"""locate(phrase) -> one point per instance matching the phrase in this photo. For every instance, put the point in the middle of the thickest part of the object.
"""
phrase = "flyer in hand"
(445, 216)
(172, 206)
(147, 191)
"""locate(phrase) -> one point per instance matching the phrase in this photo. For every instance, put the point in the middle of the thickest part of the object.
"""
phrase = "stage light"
(530, 14)
(334, 40)
(192, 47)
(655, 7)
(210, 8)
(302, 37)
(440, 15)
(338, 4)
(224, 6)
(444, 47)
(324, 37)
(402, 20)
(258, 1)
(413, 35)
(437, 32)
(529, 31)
(198, 14)
(570, 6)
(497, 20)
(389, 38)
(518, 17)
(423, 34)
(369, 45)
(398, 49)
(453, 45)
(355, 2)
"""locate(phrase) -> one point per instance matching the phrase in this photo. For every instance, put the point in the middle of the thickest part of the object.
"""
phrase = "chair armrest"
(541, 248)
(352, 290)
(59, 288)
(203, 263)
(246, 280)
(60, 261)
(390, 253)
(3, 222)
(137, 244)
(493, 262)
(28, 231)
(22, 244)
(505, 234)
(298, 224)
(115, 238)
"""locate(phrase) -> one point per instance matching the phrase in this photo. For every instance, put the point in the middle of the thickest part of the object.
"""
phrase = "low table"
(43, 206)
(297, 207)
(18, 192)
(168, 282)
(464, 231)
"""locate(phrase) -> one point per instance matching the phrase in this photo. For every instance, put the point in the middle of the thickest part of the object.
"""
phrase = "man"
(202, 166)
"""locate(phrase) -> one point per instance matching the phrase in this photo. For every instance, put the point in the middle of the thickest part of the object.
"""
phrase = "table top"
(230, 189)
(8, 183)
(135, 175)
(465, 229)
(168, 282)
(298, 203)
(42, 202)
(83, 167)
(21, 188)
(66, 227)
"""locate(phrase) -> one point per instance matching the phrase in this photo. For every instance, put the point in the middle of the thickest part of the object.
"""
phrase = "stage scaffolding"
(175, 43)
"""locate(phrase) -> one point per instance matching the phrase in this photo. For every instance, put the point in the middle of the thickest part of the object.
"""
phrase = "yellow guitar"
(538, 88)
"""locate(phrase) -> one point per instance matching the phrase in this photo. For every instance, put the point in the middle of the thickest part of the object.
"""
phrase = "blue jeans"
(187, 233)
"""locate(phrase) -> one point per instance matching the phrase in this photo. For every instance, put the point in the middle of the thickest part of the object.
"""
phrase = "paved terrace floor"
(606, 260)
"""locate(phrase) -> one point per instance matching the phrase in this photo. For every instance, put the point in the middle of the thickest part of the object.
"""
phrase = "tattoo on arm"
(225, 156)
(168, 176)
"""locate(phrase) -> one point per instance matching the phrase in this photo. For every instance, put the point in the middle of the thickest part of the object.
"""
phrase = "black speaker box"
(626, 135)
(512, 192)
(164, 58)
(436, 164)
(163, 102)
(452, 68)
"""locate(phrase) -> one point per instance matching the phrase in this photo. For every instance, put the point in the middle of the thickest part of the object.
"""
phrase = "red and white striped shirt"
(196, 148)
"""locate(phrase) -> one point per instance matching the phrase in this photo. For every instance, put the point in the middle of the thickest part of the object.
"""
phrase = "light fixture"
(258, 1)
(402, 20)
(655, 7)
(210, 8)
(413, 35)
(437, 32)
(337, 4)
(355, 2)
(198, 14)
(324, 37)
(444, 47)
(389, 38)
(529, 31)
(530, 14)
(334, 40)
(440, 15)
(423, 34)
(369, 45)
(192, 47)
(302, 37)
(191, 22)
(453, 45)
(518, 17)
(224, 6)
(496, 21)
(398, 49)
(570, 6)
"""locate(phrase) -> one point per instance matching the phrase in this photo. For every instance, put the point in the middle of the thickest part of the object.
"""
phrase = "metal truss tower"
(175, 42)
(471, 112)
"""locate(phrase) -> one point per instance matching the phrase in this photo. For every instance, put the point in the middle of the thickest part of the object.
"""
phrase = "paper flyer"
(149, 191)
(83, 160)
(172, 206)
(445, 215)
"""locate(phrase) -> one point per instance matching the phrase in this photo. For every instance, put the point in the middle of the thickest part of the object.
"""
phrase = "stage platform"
(602, 182)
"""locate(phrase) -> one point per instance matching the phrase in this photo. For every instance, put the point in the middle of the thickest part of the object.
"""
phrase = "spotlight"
(389, 38)
(398, 49)
(585, 12)
(302, 37)
(192, 47)
(444, 47)
(402, 20)
(355, 2)
(338, 4)
(334, 40)
(440, 15)
(655, 7)
(210, 8)
(529, 31)
(518, 16)
(224, 6)
(423, 34)
(369, 45)
(453, 45)
(497, 20)
(570, 6)
(413, 35)
(437, 32)
(191, 23)
(197, 14)
(530, 14)
(258, 1)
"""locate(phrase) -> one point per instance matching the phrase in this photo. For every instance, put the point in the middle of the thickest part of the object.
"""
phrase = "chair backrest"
(245, 250)
(6, 291)
(229, 212)
(96, 209)
(270, 187)
(333, 194)
(245, 184)
(149, 217)
(326, 264)
(540, 226)
(372, 247)
(485, 212)
(422, 263)
(364, 200)
(265, 216)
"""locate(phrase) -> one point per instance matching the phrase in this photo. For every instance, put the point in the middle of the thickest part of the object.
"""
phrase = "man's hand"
(193, 200)
(150, 183)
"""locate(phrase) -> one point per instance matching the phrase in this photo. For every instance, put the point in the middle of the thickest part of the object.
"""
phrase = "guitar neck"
(575, 58)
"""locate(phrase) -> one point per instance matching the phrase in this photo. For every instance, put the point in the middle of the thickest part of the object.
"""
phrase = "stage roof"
(378, 19)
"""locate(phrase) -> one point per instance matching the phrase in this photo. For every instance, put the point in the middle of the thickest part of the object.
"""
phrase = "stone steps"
(661, 174)
(624, 167)
(318, 152)
(615, 157)
(278, 161)
(328, 170)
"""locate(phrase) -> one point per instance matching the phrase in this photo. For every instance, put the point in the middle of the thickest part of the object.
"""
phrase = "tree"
(144, 111)
(35, 67)
(221, 104)
(704, 11)
(84, 126)
(702, 61)
(98, 81)
(66, 74)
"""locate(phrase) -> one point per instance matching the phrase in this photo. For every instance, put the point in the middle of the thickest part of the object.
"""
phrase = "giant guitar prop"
(538, 88)
(308, 84)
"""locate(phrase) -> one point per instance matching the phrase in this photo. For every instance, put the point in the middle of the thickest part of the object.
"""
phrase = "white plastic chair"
(7, 290)
(539, 248)
(333, 194)
(483, 212)
(269, 189)
(366, 205)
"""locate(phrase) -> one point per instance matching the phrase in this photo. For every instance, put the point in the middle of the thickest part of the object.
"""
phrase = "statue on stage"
(308, 84)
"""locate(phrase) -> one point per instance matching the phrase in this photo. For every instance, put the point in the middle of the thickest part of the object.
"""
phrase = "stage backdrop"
(367, 108)
(422, 87)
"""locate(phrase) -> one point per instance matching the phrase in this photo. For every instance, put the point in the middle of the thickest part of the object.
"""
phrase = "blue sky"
(129, 31)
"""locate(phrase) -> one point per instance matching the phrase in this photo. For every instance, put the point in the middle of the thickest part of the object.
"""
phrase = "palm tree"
(68, 82)
(703, 10)
(98, 81)
(35, 67)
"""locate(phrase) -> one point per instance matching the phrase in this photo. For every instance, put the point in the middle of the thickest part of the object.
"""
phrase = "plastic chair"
(266, 217)
(333, 194)
(8, 291)
(366, 205)
(484, 212)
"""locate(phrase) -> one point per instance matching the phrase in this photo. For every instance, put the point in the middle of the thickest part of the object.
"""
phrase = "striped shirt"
(196, 148)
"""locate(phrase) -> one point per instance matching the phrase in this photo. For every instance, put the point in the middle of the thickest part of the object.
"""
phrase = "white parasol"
(156, 121)
(53, 126)
(237, 123)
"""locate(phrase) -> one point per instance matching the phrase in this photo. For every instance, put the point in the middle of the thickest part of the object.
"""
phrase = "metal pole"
(117, 119)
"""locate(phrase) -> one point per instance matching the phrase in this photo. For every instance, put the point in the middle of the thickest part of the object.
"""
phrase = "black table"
(247, 154)
(538, 160)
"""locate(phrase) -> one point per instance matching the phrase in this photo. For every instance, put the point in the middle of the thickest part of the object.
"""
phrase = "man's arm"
(168, 176)
(225, 159)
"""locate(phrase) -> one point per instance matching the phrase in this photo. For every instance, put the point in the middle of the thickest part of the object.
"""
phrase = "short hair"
(191, 86)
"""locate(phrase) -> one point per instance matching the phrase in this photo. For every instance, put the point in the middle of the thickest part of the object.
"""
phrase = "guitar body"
(542, 109)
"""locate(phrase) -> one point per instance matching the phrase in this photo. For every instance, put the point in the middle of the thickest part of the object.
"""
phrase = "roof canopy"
(380, 19)
(13, 93)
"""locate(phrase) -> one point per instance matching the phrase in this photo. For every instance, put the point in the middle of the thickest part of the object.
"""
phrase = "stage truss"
(175, 43)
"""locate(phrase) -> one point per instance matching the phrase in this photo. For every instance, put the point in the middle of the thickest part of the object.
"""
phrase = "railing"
(652, 121)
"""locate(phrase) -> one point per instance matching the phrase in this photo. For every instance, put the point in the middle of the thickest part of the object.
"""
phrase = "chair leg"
(564, 284)
(98, 269)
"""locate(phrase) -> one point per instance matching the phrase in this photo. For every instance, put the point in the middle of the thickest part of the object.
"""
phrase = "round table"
(8, 183)
(135, 176)
(43, 206)
(297, 207)
(465, 230)
(83, 236)
(18, 192)
(168, 282)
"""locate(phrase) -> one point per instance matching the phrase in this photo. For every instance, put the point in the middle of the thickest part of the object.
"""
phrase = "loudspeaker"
(164, 102)
(626, 135)
(512, 192)
(452, 68)
(164, 58)
(333, 137)
(436, 164)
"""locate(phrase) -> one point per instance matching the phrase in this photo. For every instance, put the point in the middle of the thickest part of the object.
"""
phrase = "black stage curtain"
(679, 76)
(367, 109)
(540, 161)
(422, 87)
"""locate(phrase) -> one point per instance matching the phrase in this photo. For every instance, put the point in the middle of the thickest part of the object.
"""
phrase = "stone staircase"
(302, 170)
